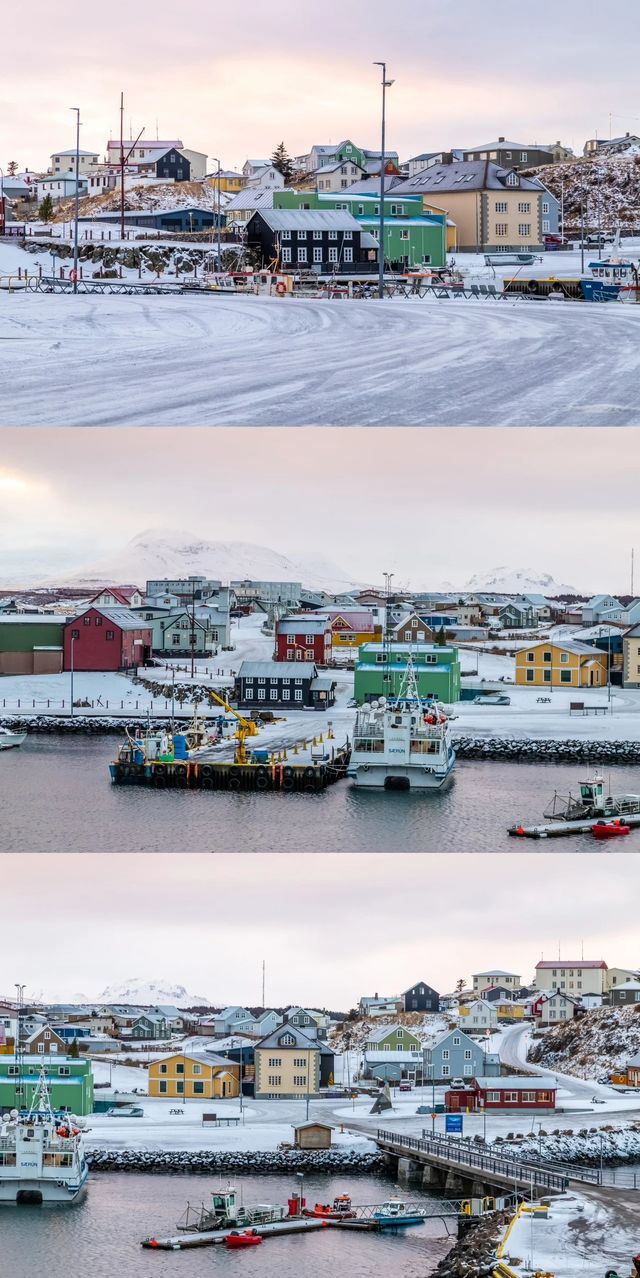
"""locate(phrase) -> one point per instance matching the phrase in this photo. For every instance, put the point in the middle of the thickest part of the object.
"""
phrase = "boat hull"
(36, 1193)
(390, 777)
(397, 1222)
(12, 740)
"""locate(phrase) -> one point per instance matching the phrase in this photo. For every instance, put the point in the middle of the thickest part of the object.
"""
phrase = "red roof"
(121, 593)
(555, 963)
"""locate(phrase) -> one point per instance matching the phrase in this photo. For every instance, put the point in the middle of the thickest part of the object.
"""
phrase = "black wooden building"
(325, 241)
(173, 165)
(421, 998)
(280, 685)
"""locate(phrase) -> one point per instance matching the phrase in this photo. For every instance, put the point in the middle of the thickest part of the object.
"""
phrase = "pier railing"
(458, 1155)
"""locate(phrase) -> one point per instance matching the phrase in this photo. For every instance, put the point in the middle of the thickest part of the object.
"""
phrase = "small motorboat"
(339, 1209)
(236, 1240)
(11, 740)
(395, 1214)
(610, 830)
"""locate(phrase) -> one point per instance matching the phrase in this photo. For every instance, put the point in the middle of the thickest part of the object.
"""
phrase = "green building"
(393, 1038)
(411, 237)
(380, 669)
(31, 644)
(70, 1082)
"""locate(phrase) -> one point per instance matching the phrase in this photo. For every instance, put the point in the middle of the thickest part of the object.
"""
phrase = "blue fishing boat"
(395, 1214)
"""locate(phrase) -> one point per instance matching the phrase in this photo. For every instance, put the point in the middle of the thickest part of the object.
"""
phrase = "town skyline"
(72, 499)
(591, 905)
(280, 82)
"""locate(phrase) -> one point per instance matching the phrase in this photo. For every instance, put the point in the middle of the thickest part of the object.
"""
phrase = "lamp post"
(582, 237)
(77, 201)
(386, 84)
(73, 639)
(218, 208)
(2, 217)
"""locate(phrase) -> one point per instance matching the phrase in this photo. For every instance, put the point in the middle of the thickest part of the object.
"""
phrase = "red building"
(504, 1093)
(304, 638)
(106, 639)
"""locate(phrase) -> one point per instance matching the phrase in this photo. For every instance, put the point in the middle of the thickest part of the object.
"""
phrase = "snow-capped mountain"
(161, 552)
(516, 581)
(149, 993)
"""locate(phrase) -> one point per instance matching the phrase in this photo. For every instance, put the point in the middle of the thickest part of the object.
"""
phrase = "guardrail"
(459, 1155)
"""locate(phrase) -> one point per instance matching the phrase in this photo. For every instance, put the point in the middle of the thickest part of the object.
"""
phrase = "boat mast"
(41, 1100)
(387, 677)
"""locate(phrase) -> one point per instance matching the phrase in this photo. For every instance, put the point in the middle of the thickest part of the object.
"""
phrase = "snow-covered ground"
(584, 1234)
(252, 361)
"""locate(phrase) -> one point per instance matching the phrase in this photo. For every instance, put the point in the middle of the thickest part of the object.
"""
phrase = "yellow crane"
(246, 728)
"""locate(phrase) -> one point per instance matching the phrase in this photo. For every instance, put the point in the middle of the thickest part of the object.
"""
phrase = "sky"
(329, 929)
(234, 80)
(431, 506)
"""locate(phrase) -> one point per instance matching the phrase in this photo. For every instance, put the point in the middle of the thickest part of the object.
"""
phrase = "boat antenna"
(41, 1099)
(387, 677)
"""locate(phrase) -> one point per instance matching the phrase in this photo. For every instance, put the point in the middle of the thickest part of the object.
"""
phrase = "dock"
(274, 1229)
(562, 829)
(208, 774)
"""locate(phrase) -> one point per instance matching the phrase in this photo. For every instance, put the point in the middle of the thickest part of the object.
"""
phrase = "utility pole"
(77, 201)
(386, 84)
(582, 237)
(263, 981)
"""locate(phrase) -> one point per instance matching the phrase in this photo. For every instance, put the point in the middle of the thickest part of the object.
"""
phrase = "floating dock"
(216, 1237)
(560, 829)
(209, 774)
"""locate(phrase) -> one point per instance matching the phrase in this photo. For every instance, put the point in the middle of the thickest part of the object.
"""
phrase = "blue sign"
(453, 1124)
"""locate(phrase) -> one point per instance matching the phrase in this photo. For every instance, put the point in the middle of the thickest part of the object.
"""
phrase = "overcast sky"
(330, 928)
(430, 505)
(234, 80)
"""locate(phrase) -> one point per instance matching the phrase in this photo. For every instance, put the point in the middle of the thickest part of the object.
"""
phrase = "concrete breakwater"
(205, 1161)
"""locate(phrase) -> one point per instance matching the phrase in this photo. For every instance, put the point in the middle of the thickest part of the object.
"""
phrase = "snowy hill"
(515, 581)
(595, 1044)
(608, 182)
(160, 553)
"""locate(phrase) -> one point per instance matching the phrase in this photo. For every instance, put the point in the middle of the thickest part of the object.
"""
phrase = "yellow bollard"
(321, 739)
(295, 747)
(314, 742)
(284, 756)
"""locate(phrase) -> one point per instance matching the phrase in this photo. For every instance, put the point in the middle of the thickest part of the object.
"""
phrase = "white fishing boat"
(404, 744)
(10, 740)
(41, 1154)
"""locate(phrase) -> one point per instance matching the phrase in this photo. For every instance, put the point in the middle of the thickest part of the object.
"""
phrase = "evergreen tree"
(281, 160)
(45, 210)
(74, 1050)
(459, 986)
(441, 637)
(12, 168)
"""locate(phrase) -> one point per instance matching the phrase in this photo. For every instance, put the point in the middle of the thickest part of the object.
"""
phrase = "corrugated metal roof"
(124, 618)
(252, 198)
(463, 175)
(310, 220)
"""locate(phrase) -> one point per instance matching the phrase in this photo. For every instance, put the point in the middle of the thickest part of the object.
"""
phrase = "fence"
(459, 1154)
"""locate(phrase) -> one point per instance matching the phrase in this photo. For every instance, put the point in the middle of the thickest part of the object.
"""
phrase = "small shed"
(312, 1135)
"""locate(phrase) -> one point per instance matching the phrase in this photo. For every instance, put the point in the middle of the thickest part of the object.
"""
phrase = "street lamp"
(77, 201)
(386, 84)
(73, 639)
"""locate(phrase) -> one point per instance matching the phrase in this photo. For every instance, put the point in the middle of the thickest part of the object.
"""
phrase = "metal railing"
(459, 1154)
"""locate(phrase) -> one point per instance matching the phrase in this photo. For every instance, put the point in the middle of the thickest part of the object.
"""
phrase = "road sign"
(453, 1124)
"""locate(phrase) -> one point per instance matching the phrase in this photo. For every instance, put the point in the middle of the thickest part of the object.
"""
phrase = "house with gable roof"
(290, 1064)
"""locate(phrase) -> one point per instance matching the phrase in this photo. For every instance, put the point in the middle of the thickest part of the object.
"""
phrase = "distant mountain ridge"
(516, 581)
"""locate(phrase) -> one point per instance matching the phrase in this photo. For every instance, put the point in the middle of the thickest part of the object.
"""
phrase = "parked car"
(457, 1085)
(489, 699)
(404, 1087)
(601, 237)
(125, 1111)
(555, 242)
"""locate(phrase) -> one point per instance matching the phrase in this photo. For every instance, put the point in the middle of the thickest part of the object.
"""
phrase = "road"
(513, 1052)
(244, 361)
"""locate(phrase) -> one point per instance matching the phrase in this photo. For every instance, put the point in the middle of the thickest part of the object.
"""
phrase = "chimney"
(500, 139)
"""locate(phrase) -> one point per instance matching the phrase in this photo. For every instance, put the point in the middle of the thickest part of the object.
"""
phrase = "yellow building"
(452, 230)
(509, 1011)
(229, 181)
(287, 1065)
(570, 664)
(185, 1076)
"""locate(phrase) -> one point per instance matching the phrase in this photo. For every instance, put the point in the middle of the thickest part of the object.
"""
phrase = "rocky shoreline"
(474, 1254)
(478, 748)
(613, 1145)
(205, 1161)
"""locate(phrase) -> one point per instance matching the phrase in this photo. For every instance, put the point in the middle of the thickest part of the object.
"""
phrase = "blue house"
(456, 1055)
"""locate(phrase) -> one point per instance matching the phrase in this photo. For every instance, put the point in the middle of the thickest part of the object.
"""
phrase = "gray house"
(511, 155)
(151, 1026)
(456, 1055)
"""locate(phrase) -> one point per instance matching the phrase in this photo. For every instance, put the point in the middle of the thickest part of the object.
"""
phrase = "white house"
(65, 161)
(558, 1007)
(575, 977)
(496, 976)
(60, 186)
(268, 178)
(480, 1016)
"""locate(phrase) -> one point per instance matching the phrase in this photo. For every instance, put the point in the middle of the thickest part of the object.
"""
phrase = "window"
(546, 208)
(333, 254)
(317, 255)
(302, 235)
(493, 1098)
(404, 235)
(286, 695)
(502, 206)
(467, 1054)
(502, 229)
(524, 228)
(298, 694)
(524, 207)
(75, 634)
(98, 620)
(179, 1068)
(348, 255)
(273, 694)
(299, 1080)
(565, 676)
(446, 1071)
(530, 676)
(546, 225)
(162, 1086)
(302, 254)
(180, 1087)
(546, 656)
(333, 235)
(286, 255)
(523, 156)
(198, 1089)
(445, 1054)
(274, 1061)
(197, 1069)
(86, 621)
(109, 634)
(64, 1071)
(274, 1080)
(163, 1069)
(286, 235)
(348, 235)
(468, 1071)
(513, 180)
(456, 1041)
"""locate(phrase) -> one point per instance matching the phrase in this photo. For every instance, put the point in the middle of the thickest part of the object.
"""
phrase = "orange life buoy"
(281, 288)
(73, 276)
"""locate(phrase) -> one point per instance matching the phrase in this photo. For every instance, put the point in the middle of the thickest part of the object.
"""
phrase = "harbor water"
(56, 796)
(101, 1236)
